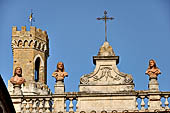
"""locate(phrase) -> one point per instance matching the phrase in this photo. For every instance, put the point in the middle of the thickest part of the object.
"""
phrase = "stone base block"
(106, 88)
(154, 102)
(17, 104)
(17, 90)
(59, 88)
(110, 103)
(153, 85)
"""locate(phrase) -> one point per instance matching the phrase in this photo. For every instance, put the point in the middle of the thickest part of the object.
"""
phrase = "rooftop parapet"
(34, 32)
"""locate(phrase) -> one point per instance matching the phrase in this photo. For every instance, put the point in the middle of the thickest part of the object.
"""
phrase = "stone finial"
(59, 74)
(106, 50)
(152, 70)
(17, 79)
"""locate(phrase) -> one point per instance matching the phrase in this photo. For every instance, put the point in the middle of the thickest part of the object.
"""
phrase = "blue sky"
(139, 32)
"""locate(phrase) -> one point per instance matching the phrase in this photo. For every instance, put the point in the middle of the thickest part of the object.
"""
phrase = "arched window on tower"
(37, 69)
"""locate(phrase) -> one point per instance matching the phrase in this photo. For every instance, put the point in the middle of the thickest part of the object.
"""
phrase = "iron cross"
(105, 18)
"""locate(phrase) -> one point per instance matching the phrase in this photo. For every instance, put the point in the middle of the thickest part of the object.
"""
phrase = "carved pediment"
(106, 75)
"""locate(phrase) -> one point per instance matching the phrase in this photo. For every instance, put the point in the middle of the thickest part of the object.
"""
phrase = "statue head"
(60, 67)
(18, 71)
(152, 64)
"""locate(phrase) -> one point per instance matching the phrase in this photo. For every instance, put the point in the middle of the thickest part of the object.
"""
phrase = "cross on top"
(105, 18)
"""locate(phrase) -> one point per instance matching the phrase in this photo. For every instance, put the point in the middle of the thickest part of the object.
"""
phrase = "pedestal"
(17, 101)
(154, 102)
(59, 102)
(153, 85)
(59, 87)
(17, 90)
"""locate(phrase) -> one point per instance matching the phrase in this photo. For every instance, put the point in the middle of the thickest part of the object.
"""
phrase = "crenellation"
(14, 29)
(23, 28)
(32, 29)
(34, 33)
(39, 30)
(44, 32)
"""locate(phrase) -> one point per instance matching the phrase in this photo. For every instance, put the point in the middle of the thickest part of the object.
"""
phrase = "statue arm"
(54, 74)
(158, 71)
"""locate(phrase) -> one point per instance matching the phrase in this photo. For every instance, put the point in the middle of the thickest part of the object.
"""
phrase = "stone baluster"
(41, 105)
(142, 102)
(166, 102)
(47, 105)
(160, 104)
(136, 104)
(65, 105)
(71, 105)
(34, 107)
(28, 106)
(31, 104)
(77, 104)
(23, 106)
(53, 105)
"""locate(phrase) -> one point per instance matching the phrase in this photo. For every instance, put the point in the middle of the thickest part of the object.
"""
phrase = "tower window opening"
(37, 69)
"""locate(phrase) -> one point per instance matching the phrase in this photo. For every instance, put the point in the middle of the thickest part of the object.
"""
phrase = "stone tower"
(30, 52)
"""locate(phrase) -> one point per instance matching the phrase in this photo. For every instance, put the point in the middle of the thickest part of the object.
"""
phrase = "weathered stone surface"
(110, 103)
(154, 102)
(153, 85)
(106, 88)
(59, 104)
(106, 76)
(59, 87)
(17, 90)
(106, 50)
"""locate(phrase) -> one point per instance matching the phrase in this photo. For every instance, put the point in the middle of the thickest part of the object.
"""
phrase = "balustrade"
(154, 101)
(45, 104)
(36, 104)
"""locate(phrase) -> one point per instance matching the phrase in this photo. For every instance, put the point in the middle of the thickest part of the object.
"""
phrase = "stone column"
(59, 87)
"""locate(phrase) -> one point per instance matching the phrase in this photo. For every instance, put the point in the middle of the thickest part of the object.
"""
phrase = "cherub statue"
(152, 70)
(59, 74)
(17, 78)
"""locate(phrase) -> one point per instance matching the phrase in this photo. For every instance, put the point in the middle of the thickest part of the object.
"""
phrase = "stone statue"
(152, 70)
(59, 74)
(17, 79)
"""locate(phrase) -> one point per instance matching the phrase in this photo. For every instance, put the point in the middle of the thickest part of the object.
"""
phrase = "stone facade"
(105, 90)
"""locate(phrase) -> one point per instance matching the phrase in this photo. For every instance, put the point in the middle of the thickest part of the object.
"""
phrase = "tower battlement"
(33, 39)
(34, 33)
